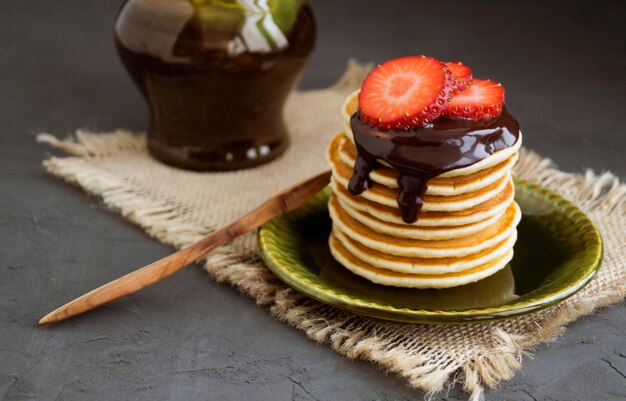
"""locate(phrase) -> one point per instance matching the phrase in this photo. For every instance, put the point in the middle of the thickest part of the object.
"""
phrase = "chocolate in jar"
(216, 78)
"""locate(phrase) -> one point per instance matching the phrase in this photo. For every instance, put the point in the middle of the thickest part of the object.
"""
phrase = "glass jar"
(216, 75)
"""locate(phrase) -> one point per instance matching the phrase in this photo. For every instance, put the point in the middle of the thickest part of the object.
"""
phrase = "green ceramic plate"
(557, 253)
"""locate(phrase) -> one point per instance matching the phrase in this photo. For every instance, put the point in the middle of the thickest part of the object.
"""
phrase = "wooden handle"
(277, 205)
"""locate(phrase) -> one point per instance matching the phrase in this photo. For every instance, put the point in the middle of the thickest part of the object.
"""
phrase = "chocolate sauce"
(423, 153)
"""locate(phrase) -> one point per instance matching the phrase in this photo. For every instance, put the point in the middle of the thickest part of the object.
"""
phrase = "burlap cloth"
(178, 207)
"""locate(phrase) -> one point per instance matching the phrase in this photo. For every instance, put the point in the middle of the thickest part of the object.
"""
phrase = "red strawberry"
(483, 99)
(405, 93)
(461, 73)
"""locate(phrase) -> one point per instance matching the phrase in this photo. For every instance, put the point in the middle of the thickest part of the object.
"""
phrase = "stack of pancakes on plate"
(465, 231)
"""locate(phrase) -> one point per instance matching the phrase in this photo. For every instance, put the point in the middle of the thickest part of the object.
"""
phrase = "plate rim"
(431, 316)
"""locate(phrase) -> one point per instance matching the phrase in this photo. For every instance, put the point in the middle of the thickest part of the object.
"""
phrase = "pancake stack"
(465, 231)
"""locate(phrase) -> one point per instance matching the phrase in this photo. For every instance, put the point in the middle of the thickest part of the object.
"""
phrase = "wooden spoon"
(281, 203)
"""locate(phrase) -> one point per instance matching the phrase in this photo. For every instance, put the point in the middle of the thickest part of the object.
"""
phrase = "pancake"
(350, 107)
(387, 176)
(465, 230)
(341, 155)
(435, 203)
(416, 232)
(489, 208)
(391, 278)
(424, 265)
(386, 196)
(453, 247)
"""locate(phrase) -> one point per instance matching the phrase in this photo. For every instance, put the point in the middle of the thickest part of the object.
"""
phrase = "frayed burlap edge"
(348, 334)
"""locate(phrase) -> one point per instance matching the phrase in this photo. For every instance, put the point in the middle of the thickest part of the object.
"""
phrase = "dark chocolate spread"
(423, 153)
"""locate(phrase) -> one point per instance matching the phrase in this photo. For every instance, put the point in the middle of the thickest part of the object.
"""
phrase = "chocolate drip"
(423, 153)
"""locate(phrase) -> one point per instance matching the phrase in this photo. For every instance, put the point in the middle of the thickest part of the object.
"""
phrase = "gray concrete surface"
(187, 338)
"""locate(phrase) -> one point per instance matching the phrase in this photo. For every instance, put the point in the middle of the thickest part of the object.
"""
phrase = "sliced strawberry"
(461, 73)
(405, 93)
(483, 99)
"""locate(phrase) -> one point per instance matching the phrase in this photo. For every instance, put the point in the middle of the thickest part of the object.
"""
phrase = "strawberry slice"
(461, 73)
(405, 93)
(483, 99)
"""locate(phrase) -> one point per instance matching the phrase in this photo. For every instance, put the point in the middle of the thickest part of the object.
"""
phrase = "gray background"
(563, 65)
